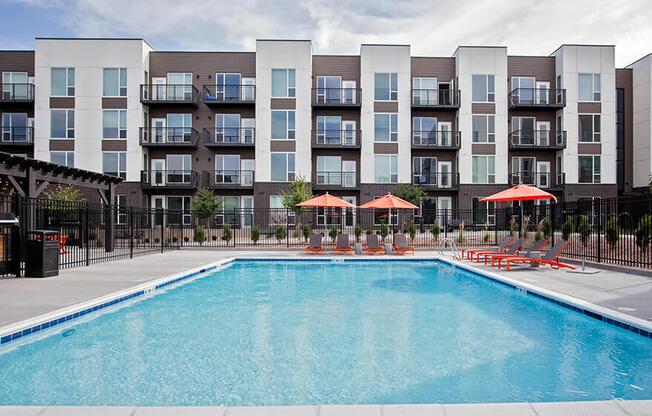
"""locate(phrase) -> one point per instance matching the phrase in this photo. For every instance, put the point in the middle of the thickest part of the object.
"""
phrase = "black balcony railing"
(344, 97)
(225, 136)
(169, 178)
(537, 98)
(229, 94)
(17, 136)
(326, 179)
(169, 137)
(336, 138)
(436, 139)
(539, 179)
(228, 178)
(181, 94)
(19, 93)
(434, 98)
(437, 180)
(537, 139)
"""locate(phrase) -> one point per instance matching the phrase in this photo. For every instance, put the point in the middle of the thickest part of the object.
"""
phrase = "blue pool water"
(289, 333)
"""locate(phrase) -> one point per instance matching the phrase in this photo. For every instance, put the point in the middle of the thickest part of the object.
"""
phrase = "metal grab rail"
(442, 245)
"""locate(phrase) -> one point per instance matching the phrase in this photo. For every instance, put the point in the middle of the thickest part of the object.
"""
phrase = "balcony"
(17, 93)
(336, 139)
(334, 180)
(436, 99)
(336, 97)
(168, 179)
(169, 94)
(17, 136)
(171, 137)
(537, 140)
(229, 136)
(436, 140)
(443, 181)
(214, 95)
(228, 179)
(537, 98)
(543, 180)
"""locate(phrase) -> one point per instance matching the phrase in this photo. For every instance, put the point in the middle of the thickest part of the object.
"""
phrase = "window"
(484, 128)
(115, 163)
(283, 125)
(62, 82)
(179, 86)
(15, 86)
(424, 130)
(589, 169)
(385, 87)
(588, 86)
(179, 128)
(329, 129)
(386, 127)
(62, 124)
(283, 83)
(424, 171)
(15, 128)
(483, 89)
(227, 87)
(114, 124)
(122, 214)
(559, 170)
(179, 210)
(178, 169)
(227, 169)
(329, 170)
(484, 212)
(589, 127)
(385, 168)
(114, 82)
(280, 214)
(424, 91)
(329, 89)
(282, 167)
(63, 158)
(227, 128)
(484, 170)
(229, 211)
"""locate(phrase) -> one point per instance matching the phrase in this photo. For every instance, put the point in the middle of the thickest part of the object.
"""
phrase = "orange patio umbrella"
(326, 201)
(389, 201)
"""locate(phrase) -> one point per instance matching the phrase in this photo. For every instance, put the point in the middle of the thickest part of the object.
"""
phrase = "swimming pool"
(317, 332)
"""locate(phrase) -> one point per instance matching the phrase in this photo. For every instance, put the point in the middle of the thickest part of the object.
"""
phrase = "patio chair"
(343, 246)
(314, 245)
(500, 249)
(536, 248)
(512, 249)
(373, 245)
(401, 245)
(551, 258)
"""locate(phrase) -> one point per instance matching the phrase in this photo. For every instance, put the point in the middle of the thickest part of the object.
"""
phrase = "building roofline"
(478, 46)
(530, 56)
(432, 57)
(106, 38)
(384, 44)
(283, 40)
(581, 44)
(334, 54)
(636, 61)
(17, 50)
(247, 52)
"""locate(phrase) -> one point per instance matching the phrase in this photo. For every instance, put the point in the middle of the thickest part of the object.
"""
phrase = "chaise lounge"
(401, 245)
(314, 245)
(536, 248)
(373, 245)
(343, 246)
(501, 248)
(512, 249)
(551, 258)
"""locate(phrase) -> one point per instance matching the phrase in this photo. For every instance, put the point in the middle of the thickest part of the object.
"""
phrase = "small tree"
(65, 194)
(567, 229)
(226, 233)
(585, 230)
(526, 222)
(384, 230)
(460, 238)
(280, 233)
(299, 191)
(205, 204)
(200, 234)
(512, 226)
(412, 230)
(63, 202)
(487, 236)
(255, 234)
(409, 193)
(539, 234)
(644, 231)
(546, 228)
(358, 233)
(306, 232)
(333, 234)
(612, 232)
(435, 230)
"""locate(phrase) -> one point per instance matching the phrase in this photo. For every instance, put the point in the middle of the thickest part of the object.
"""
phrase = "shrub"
(546, 228)
(186, 239)
(526, 222)
(306, 232)
(567, 229)
(512, 226)
(538, 235)
(333, 233)
(487, 237)
(369, 231)
(214, 237)
(644, 231)
(384, 230)
(412, 230)
(280, 233)
(255, 234)
(612, 232)
(157, 240)
(358, 232)
(99, 243)
(460, 238)
(295, 233)
(436, 229)
(200, 234)
(585, 230)
(226, 233)
(174, 239)
(147, 240)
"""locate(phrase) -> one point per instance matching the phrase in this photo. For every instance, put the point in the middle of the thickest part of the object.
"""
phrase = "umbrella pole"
(520, 234)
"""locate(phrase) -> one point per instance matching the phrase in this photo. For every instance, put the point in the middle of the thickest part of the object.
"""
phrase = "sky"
(431, 27)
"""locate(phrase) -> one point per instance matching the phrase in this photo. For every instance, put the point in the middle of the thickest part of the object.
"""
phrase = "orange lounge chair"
(512, 249)
(343, 246)
(551, 258)
(373, 245)
(501, 248)
(536, 248)
(401, 245)
(314, 245)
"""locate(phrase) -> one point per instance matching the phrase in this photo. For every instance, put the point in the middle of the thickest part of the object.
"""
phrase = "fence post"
(599, 256)
(233, 222)
(287, 226)
(553, 215)
(496, 230)
(86, 236)
(162, 230)
(131, 232)
(444, 220)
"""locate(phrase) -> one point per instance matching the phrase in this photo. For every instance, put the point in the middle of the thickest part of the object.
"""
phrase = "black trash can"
(42, 255)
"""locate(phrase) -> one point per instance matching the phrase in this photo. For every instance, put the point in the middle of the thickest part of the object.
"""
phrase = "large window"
(179, 169)
(62, 124)
(62, 82)
(385, 86)
(589, 169)
(227, 86)
(115, 163)
(227, 169)
(386, 127)
(282, 167)
(179, 86)
(424, 130)
(385, 168)
(15, 127)
(179, 128)
(283, 125)
(588, 87)
(589, 127)
(283, 83)
(424, 91)
(329, 129)
(179, 210)
(484, 170)
(329, 170)
(424, 170)
(63, 158)
(227, 128)
(114, 124)
(483, 89)
(484, 128)
(484, 212)
(114, 82)
(15, 86)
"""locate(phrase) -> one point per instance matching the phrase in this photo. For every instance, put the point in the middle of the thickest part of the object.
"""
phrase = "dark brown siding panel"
(483, 108)
(17, 61)
(348, 67)
(283, 104)
(483, 149)
(583, 108)
(442, 68)
(386, 148)
(62, 102)
(114, 145)
(282, 146)
(114, 103)
(589, 149)
(624, 80)
(62, 145)
(540, 67)
(385, 107)
(203, 64)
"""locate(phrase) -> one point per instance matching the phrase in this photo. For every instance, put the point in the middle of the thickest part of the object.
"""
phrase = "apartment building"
(246, 124)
